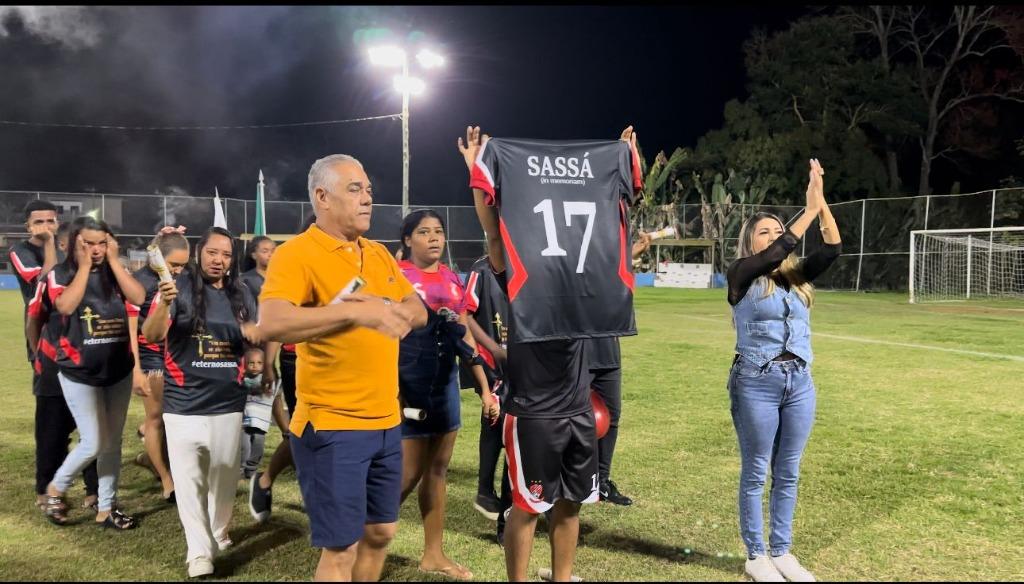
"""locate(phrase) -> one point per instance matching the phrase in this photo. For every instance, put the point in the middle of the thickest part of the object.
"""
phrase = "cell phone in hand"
(351, 288)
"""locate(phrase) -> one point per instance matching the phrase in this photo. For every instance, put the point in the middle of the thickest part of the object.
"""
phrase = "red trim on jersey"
(71, 352)
(486, 356)
(638, 178)
(47, 348)
(53, 289)
(625, 251)
(480, 177)
(131, 309)
(35, 306)
(519, 275)
(290, 347)
(472, 300)
(38, 366)
(175, 372)
(155, 347)
(27, 274)
(241, 370)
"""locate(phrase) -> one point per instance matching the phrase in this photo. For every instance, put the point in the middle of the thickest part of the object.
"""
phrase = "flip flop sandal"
(119, 521)
(56, 510)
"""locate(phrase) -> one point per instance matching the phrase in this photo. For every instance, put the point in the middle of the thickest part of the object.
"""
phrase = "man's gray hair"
(322, 175)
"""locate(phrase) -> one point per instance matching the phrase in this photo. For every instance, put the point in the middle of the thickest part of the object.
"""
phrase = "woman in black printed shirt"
(206, 315)
(89, 290)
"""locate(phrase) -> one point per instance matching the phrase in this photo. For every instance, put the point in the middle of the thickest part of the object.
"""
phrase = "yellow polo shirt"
(347, 380)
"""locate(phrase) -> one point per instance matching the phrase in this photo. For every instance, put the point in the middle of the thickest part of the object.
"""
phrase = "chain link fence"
(875, 232)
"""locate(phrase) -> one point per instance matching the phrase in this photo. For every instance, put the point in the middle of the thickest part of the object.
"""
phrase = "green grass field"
(914, 470)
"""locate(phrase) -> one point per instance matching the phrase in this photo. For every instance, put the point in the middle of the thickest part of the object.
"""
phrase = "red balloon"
(602, 418)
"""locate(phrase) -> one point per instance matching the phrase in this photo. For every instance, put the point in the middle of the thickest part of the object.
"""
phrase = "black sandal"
(118, 520)
(56, 510)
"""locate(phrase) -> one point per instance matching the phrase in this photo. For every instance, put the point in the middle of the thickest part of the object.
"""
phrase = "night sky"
(538, 72)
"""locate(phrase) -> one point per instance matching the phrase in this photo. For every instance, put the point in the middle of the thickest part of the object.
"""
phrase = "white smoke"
(73, 26)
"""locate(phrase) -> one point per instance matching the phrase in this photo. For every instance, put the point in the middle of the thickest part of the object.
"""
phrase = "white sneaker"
(761, 569)
(200, 567)
(789, 567)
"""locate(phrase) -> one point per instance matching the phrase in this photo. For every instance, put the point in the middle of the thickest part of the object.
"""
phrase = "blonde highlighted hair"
(788, 270)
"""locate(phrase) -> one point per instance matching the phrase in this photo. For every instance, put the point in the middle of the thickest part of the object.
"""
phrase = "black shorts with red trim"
(551, 459)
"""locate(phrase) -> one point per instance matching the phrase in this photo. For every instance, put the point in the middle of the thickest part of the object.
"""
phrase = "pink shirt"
(437, 289)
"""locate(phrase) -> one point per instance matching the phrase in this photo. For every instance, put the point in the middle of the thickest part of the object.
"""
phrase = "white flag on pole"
(219, 220)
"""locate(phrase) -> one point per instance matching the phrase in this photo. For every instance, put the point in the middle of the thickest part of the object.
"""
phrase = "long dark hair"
(248, 262)
(71, 261)
(411, 222)
(230, 281)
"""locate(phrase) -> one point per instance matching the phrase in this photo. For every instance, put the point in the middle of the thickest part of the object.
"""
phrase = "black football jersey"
(203, 369)
(487, 304)
(562, 209)
(93, 346)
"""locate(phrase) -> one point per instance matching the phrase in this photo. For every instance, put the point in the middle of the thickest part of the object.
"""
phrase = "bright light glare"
(429, 59)
(388, 56)
(412, 85)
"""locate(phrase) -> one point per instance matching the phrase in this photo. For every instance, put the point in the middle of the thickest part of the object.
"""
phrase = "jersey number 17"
(570, 208)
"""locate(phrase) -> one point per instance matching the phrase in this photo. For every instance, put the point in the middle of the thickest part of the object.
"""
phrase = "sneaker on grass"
(260, 499)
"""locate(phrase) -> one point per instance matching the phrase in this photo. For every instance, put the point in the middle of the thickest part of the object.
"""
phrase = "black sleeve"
(744, 271)
(815, 264)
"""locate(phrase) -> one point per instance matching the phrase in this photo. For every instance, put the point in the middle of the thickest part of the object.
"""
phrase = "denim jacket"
(767, 327)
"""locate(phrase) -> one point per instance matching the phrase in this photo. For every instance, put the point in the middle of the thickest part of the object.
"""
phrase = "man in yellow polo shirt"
(346, 438)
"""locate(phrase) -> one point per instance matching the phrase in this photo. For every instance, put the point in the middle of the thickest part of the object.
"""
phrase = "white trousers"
(205, 459)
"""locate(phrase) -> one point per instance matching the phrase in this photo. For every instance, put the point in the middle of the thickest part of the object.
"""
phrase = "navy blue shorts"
(441, 403)
(349, 478)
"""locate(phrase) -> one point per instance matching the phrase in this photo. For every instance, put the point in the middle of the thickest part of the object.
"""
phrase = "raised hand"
(42, 232)
(470, 149)
(168, 292)
(815, 187)
(629, 136)
(112, 249)
(82, 256)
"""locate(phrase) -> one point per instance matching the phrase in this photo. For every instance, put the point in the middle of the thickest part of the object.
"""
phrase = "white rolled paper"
(157, 263)
(414, 414)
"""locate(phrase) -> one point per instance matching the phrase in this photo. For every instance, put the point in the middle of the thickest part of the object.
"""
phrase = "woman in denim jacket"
(770, 385)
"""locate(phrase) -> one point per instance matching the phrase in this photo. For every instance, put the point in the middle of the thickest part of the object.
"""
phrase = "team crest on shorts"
(537, 490)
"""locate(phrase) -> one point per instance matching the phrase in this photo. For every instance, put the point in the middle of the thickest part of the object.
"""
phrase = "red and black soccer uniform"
(254, 280)
(203, 368)
(151, 355)
(487, 304)
(27, 265)
(54, 421)
(563, 219)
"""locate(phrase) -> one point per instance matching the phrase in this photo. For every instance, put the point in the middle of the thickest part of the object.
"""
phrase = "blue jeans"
(99, 413)
(773, 413)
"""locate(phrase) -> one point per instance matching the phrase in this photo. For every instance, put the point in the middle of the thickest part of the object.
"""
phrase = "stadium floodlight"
(410, 85)
(395, 56)
(429, 59)
(387, 56)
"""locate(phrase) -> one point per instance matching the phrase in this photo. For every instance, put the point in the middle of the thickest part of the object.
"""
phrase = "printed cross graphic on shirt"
(502, 330)
(200, 337)
(88, 316)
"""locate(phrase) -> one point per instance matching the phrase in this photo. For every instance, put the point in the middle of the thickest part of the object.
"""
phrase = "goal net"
(960, 264)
